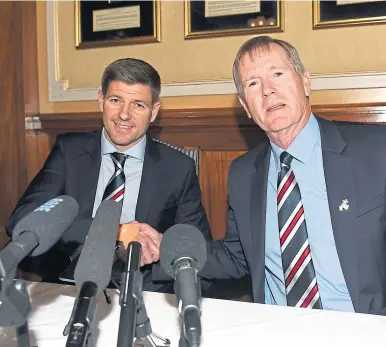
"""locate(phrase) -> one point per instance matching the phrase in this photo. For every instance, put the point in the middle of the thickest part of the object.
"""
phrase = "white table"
(224, 323)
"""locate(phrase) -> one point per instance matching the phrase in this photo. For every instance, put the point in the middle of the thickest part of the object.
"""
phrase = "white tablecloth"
(225, 323)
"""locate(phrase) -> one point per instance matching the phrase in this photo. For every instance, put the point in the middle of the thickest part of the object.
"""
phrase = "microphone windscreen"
(179, 241)
(96, 259)
(48, 222)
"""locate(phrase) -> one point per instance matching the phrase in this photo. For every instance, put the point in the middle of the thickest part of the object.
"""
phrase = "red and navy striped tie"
(116, 186)
(299, 273)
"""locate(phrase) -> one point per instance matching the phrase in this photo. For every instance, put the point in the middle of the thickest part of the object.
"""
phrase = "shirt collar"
(137, 151)
(302, 147)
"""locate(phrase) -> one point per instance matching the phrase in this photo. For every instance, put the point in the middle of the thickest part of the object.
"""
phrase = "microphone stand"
(14, 305)
(81, 324)
(134, 321)
(143, 331)
(186, 340)
(131, 287)
(189, 310)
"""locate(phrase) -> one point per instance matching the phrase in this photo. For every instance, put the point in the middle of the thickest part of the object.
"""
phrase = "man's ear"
(154, 111)
(101, 99)
(307, 83)
(242, 102)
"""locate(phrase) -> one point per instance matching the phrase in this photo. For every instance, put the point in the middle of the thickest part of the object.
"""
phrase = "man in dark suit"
(158, 184)
(306, 217)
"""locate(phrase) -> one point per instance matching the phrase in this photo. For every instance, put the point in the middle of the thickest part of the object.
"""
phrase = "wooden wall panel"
(213, 181)
(13, 176)
(30, 59)
(38, 147)
(31, 86)
(32, 161)
(18, 99)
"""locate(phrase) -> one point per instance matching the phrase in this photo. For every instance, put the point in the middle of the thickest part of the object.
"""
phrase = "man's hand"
(150, 241)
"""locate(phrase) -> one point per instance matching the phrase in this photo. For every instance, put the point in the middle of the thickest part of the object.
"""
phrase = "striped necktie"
(299, 273)
(116, 186)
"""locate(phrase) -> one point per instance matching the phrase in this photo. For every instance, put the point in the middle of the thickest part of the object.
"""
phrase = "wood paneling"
(13, 175)
(38, 147)
(30, 84)
(32, 160)
(366, 113)
(30, 59)
(220, 134)
(213, 181)
(18, 98)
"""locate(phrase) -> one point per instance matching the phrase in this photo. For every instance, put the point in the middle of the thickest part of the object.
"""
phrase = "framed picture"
(213, 18)
(113, 23)
(331, 14)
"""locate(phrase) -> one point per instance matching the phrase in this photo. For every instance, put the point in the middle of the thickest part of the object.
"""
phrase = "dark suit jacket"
(169, 194)
(354, 170)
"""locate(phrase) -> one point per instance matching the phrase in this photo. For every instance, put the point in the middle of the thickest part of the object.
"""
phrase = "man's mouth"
(123, 126)
(275, 107)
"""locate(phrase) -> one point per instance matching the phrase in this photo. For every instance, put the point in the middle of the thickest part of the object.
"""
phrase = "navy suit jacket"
(169, 194)
(355, 169)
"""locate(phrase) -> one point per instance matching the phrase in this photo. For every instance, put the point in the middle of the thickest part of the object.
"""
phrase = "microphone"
(182, 255)
(93, 271)
(131, 295)
(38, 231)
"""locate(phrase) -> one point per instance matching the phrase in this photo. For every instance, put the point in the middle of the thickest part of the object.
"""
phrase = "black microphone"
(93, 271)
(182, 255)
(37, 232)
(131, 294)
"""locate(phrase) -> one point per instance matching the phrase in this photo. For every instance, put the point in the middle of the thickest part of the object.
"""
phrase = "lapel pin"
(344, 205)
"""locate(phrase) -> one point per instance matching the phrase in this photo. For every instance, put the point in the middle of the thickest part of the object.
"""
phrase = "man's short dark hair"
(132, 71)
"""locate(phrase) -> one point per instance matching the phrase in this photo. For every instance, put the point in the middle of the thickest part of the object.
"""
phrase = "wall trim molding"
(218, 118)
(58, 90)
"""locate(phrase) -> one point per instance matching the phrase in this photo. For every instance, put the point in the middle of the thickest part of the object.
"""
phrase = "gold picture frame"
(206, 19)
(341, 13)
(115, 23)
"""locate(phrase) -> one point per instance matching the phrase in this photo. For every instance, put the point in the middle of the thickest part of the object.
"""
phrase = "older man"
(307, 215)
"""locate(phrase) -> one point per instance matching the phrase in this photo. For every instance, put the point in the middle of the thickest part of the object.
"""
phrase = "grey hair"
(132, 71)
(263, 42)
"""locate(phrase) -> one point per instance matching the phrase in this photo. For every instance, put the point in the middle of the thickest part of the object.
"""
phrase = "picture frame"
(340, 13)
(216, 18)
(114, 23)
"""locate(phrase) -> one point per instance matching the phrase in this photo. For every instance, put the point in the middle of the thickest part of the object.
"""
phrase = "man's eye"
(114, 100)
(277, 74)
(140, 105)
(253, 83)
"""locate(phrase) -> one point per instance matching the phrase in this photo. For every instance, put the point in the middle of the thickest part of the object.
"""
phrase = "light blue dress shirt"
(309, 172)
(133, 174)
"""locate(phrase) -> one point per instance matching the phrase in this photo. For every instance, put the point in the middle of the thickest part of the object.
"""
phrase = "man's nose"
(125, 113)
(268, 88)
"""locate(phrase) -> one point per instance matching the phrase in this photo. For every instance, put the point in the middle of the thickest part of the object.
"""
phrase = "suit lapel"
(338, 171)
(148, 184)
(258, 207)
(88, 167)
